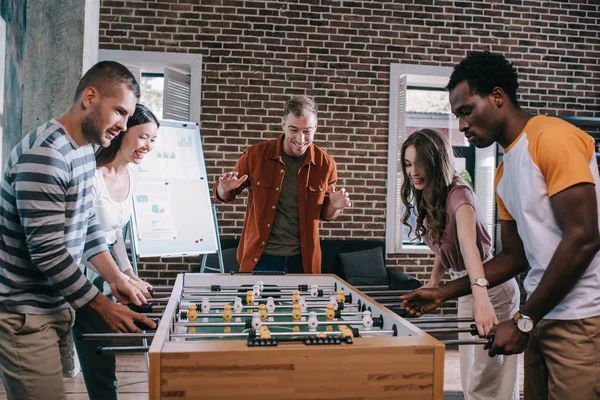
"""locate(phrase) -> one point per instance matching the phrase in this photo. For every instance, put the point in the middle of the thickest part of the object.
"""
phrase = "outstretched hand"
(339, 199)
(230, 181)
(422, 301)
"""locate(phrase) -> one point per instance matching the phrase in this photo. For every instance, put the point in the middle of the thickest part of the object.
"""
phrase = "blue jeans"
(288, 264)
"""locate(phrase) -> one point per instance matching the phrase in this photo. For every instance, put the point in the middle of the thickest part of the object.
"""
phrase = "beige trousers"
(484, 377)
(31, 349)
(562, 360)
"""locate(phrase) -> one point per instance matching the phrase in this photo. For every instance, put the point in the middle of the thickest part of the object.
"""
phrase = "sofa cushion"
(365, 267)
(331, 249)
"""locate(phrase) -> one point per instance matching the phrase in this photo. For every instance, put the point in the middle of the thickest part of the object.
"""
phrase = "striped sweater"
(47, 223)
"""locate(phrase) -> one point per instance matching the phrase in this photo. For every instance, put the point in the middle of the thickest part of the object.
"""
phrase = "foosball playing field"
(287, 337)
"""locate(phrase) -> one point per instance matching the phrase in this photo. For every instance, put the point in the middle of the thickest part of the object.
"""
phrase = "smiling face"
(138, 141)
(106, 115)
(479, 118)
(299, 133)
(412, 169)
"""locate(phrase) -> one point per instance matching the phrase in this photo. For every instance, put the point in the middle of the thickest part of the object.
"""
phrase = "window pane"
(152, 87)
(430, 108)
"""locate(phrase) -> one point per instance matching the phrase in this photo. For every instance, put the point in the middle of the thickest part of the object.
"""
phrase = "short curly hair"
(484, 71)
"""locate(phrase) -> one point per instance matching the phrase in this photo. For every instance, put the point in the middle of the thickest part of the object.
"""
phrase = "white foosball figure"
(205, 308)
(313, 322)
(314, 291)
(303, 307)
(256, 290)
(271, 308)
(333, 300)
(367, 320)
(238, 307)
(261, 285)
(256, 322)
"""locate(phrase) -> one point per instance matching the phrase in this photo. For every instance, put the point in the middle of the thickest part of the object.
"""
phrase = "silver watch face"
(481, 282)
(525, 324)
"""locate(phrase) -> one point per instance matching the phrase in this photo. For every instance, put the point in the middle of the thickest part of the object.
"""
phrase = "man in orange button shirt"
(291, 185)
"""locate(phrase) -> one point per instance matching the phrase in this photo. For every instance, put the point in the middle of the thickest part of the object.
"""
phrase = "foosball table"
(287, 337)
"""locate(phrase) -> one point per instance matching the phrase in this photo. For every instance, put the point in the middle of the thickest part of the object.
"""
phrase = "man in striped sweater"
(47, 224)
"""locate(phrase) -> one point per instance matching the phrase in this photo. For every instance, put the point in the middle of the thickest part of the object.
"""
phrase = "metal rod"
(163, 287)
(440, 319)
(183, 307)
(384, 298)
(286, 323)
(363, 288)
(223, 287)
(397, 305)
(378, 332)
(466, 342)
(374, 293)
(122, 349)
(257, 300)
(361, 313)
(96, 336)
(452, 330)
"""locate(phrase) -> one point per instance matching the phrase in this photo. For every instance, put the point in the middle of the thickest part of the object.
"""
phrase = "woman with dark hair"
(449, 221)
(112, 191)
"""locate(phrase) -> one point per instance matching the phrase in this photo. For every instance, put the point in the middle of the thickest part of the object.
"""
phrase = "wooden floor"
(133, 379)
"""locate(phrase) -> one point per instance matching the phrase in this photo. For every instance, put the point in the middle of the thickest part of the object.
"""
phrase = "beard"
(93, 131)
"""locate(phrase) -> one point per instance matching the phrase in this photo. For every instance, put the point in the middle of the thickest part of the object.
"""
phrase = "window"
(170, 83)
(419, 100)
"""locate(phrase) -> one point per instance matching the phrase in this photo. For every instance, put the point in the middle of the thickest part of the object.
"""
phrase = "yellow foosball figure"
(227, 317)
(265, 333)
(341, 296)
(295, 296)
(192, 316)
(296, 315)
(329, 315)
(262, 310)
(249, 300)
(346, 333)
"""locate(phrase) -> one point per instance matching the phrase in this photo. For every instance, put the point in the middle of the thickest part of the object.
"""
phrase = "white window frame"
(156, 62)
(434, 77)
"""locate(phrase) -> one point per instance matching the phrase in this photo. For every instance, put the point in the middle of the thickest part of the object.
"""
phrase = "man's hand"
(422, 301)
(228, 182)
(126, 293)
(119, 318)
(508, 339)
(339, 199)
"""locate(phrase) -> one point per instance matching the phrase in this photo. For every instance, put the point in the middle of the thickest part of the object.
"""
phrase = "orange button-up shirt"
(265, 169)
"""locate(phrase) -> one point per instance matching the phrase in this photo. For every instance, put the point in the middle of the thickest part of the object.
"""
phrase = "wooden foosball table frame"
(407, 366)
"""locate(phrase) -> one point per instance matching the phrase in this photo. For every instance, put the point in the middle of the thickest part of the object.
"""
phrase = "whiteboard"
(172, 212)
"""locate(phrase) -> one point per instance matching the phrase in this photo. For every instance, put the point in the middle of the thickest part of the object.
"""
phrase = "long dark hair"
(434, 156)
(141, 115)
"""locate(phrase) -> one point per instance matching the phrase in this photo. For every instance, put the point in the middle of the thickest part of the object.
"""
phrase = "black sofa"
(356, 261)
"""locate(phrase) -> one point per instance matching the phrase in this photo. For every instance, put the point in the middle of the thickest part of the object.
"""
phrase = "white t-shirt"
(112, 216)
(549, 156)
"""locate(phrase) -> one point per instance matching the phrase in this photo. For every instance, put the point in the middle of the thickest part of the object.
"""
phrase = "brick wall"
(258, 53)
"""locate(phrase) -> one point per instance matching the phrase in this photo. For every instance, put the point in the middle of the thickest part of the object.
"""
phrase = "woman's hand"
(139, 283)
(483, 311)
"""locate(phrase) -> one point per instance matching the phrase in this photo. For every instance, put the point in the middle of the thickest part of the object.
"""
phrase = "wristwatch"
(480, 282)
(524, 323)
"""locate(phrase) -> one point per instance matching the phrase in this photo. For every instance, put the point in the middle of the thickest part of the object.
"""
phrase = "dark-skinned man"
(547, 189)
